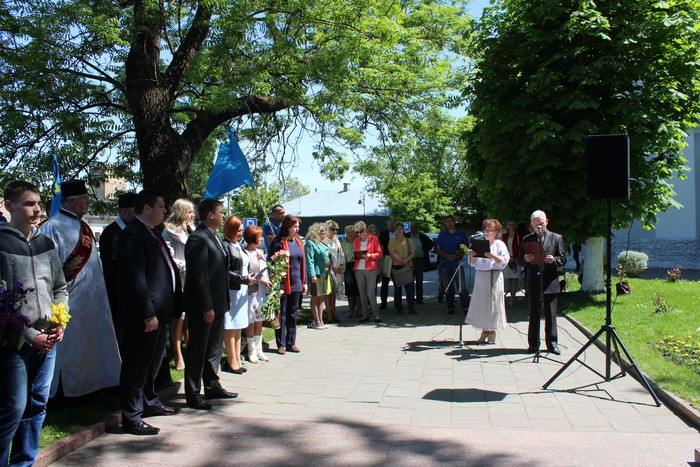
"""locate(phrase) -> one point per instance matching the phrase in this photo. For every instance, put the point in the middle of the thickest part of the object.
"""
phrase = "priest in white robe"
(88, 358)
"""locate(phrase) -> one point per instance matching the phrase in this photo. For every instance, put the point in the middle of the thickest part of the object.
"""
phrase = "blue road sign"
(407, 227)
(248, 221)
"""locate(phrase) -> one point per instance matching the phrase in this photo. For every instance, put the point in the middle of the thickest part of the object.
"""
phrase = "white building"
(675, 240)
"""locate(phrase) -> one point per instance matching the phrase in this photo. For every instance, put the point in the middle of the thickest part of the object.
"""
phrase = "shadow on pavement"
(235, 441)
(465, 395)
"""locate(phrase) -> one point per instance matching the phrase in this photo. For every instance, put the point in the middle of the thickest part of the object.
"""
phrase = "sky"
(307, 170)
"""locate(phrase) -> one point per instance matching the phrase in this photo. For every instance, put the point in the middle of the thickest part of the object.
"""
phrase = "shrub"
(672, 275)
(632, 263)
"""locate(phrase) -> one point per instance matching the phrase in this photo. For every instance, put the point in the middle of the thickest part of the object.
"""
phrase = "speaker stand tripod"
(611, 336)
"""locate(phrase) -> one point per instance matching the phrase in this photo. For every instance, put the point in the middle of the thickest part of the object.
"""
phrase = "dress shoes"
(161, 410)
(219, 393)
(281, 351)
(531, 350)
(141, 428)
(554, 348)
(364, 319)
(199, 403)
(293, 348)
(382, 306)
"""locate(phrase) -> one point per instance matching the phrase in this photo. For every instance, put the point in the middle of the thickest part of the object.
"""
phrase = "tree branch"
(190, 46)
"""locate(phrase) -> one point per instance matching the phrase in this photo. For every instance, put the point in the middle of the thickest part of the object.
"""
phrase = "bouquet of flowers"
(277, 267)
(59, 316)
(12, 322)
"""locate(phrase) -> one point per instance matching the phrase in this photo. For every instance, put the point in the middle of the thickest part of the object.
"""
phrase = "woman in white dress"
(487, 309)
(236, 318)
(178, 226)
(256, 293)
(337, 263)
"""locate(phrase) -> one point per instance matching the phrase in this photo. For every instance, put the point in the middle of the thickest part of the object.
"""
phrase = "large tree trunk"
(593, 265)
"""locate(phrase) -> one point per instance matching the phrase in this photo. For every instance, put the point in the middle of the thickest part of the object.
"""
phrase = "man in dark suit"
(150, 297)
(108, 255)
(385, 273)
(206, 302)
(552, 258)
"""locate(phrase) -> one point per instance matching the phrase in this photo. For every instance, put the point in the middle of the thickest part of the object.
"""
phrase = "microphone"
(539, 227)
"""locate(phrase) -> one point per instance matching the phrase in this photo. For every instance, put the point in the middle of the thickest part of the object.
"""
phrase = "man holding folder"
(542, 251)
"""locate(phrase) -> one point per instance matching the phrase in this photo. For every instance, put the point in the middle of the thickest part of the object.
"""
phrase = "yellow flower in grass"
(677, 351)
(60, 316)
(669, 337)
(685, 355)
(688, 345)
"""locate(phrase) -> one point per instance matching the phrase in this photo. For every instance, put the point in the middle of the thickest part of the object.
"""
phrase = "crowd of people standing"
(152, 272)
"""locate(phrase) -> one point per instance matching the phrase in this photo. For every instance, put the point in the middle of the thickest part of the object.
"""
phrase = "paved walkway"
(404, 392)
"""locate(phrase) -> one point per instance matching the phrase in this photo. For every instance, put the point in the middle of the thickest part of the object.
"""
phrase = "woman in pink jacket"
(367, 252)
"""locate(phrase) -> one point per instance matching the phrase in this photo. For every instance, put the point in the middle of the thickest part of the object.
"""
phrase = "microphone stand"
(459, 293)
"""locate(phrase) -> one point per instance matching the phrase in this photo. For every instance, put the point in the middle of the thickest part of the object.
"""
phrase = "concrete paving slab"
(405, 393)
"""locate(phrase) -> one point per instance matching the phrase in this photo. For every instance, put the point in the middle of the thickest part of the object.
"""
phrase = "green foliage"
(417, 199)
(248, 202)
(144, 84)
(641, 329)
(550, 72)
(424, 173)
(632, 263)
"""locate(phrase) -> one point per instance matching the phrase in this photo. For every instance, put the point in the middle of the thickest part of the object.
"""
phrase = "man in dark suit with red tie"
(553, 257)
(150, 297)
(206, 302)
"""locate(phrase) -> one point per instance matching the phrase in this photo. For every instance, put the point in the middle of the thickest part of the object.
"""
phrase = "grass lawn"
(642, 329)
(71, 415)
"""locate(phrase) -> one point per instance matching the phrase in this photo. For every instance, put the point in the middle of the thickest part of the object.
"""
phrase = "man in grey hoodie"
(29, 258)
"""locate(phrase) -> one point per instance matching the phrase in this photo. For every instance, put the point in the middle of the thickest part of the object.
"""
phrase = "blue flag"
(56, 200)
(231, 169)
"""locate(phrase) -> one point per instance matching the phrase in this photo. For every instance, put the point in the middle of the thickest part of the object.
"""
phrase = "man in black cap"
(108, 254)
(88, 358)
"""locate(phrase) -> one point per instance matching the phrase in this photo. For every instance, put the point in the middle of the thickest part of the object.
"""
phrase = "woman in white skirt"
(487, 309)
(236, 318)
(256, 293)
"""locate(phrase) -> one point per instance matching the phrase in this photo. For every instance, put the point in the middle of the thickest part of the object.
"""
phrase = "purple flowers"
(12, 321)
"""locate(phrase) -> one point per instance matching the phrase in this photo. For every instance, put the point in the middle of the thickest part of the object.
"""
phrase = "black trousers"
(142, 353)
(203, 355)
(550, 318)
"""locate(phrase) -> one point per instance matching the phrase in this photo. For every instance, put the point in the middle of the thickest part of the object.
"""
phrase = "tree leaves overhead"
(548, 73)
(89, 80)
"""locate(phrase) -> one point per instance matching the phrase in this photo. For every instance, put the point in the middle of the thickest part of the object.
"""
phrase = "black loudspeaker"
(608, 158)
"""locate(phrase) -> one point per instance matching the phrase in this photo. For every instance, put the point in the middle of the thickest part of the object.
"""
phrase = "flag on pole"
(231, 169)
(56, 200)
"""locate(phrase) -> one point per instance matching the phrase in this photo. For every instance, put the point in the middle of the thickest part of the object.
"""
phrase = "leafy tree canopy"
(249, 202)
(146, 82)
(424, 175)
(550, 72)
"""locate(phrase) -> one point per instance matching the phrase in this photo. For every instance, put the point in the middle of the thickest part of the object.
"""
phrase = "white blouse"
(498, 248)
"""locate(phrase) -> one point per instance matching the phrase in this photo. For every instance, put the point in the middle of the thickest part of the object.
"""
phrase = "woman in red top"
(367, 252)
(512, 239)
(294, 282)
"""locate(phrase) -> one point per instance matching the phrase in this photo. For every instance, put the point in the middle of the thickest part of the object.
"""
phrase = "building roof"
(336, 203)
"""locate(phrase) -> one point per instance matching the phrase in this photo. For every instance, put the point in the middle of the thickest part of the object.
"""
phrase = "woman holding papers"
(487, 307)
(367, 252)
